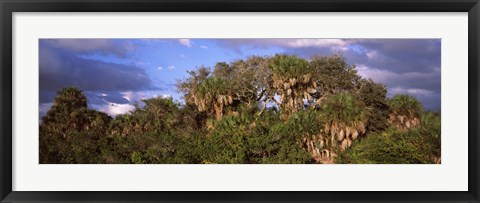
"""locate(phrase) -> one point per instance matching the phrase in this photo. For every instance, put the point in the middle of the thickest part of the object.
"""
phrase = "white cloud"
(182, 55)
(298, 43)
(388, 77)
(185, 42)
(133, 96)
(372, 54)
(411, 91)
(375, 74)
(204, 47)
(160, 68)
(103, 94)
(166, 95)
(114, 109)
(171, 67)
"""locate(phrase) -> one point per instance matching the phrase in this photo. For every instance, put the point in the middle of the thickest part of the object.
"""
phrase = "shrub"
(395, 146)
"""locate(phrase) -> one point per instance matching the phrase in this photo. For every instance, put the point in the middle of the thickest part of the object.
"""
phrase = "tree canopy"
(258, 110)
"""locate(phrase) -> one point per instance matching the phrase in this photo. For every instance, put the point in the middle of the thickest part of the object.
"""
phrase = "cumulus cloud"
(171, 67)
(185, 42)
(160, 68)
(137, 96)
(114, 109)
(105, 97)
(133, 97)
(166, 96)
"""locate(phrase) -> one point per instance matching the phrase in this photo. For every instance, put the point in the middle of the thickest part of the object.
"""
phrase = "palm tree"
(58, 118)
(71, 97)
(209, 93)
(212, 95)
(344, 119)
(405, 111)
(292, 77)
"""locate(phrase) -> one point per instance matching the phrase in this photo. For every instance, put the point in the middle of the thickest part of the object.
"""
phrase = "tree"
(159, 132)
(68, 125)
(246, 79)
(334, 76)
(261, 110)
(373, 95)
(209, 93)
(343, 118)
(405, 111)
(293, 80)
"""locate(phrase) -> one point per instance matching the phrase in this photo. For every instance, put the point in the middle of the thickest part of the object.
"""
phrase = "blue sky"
(117, 73)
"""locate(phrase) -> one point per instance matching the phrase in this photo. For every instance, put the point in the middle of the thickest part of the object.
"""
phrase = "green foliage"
(69, 132)
(405, 112)
(394, 146)
(213, 86)
(318, 108)
(254, 140)
(344, 108)
(289, 66)
(333, 75)
(405, 105)
(373, 96)
(70, 98)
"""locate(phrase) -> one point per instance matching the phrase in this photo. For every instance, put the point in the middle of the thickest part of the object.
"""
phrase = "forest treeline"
(262, 110)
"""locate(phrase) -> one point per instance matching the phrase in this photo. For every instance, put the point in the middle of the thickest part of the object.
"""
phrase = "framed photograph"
(255, 101)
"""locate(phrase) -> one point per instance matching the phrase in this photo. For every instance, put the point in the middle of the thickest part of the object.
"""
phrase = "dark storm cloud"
(117, 48)
(61, 69)
(416, 80)
(398, 55)
(61, 66)
(47, 96)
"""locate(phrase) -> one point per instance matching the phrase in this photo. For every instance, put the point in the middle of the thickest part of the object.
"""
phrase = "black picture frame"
(7, 7)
